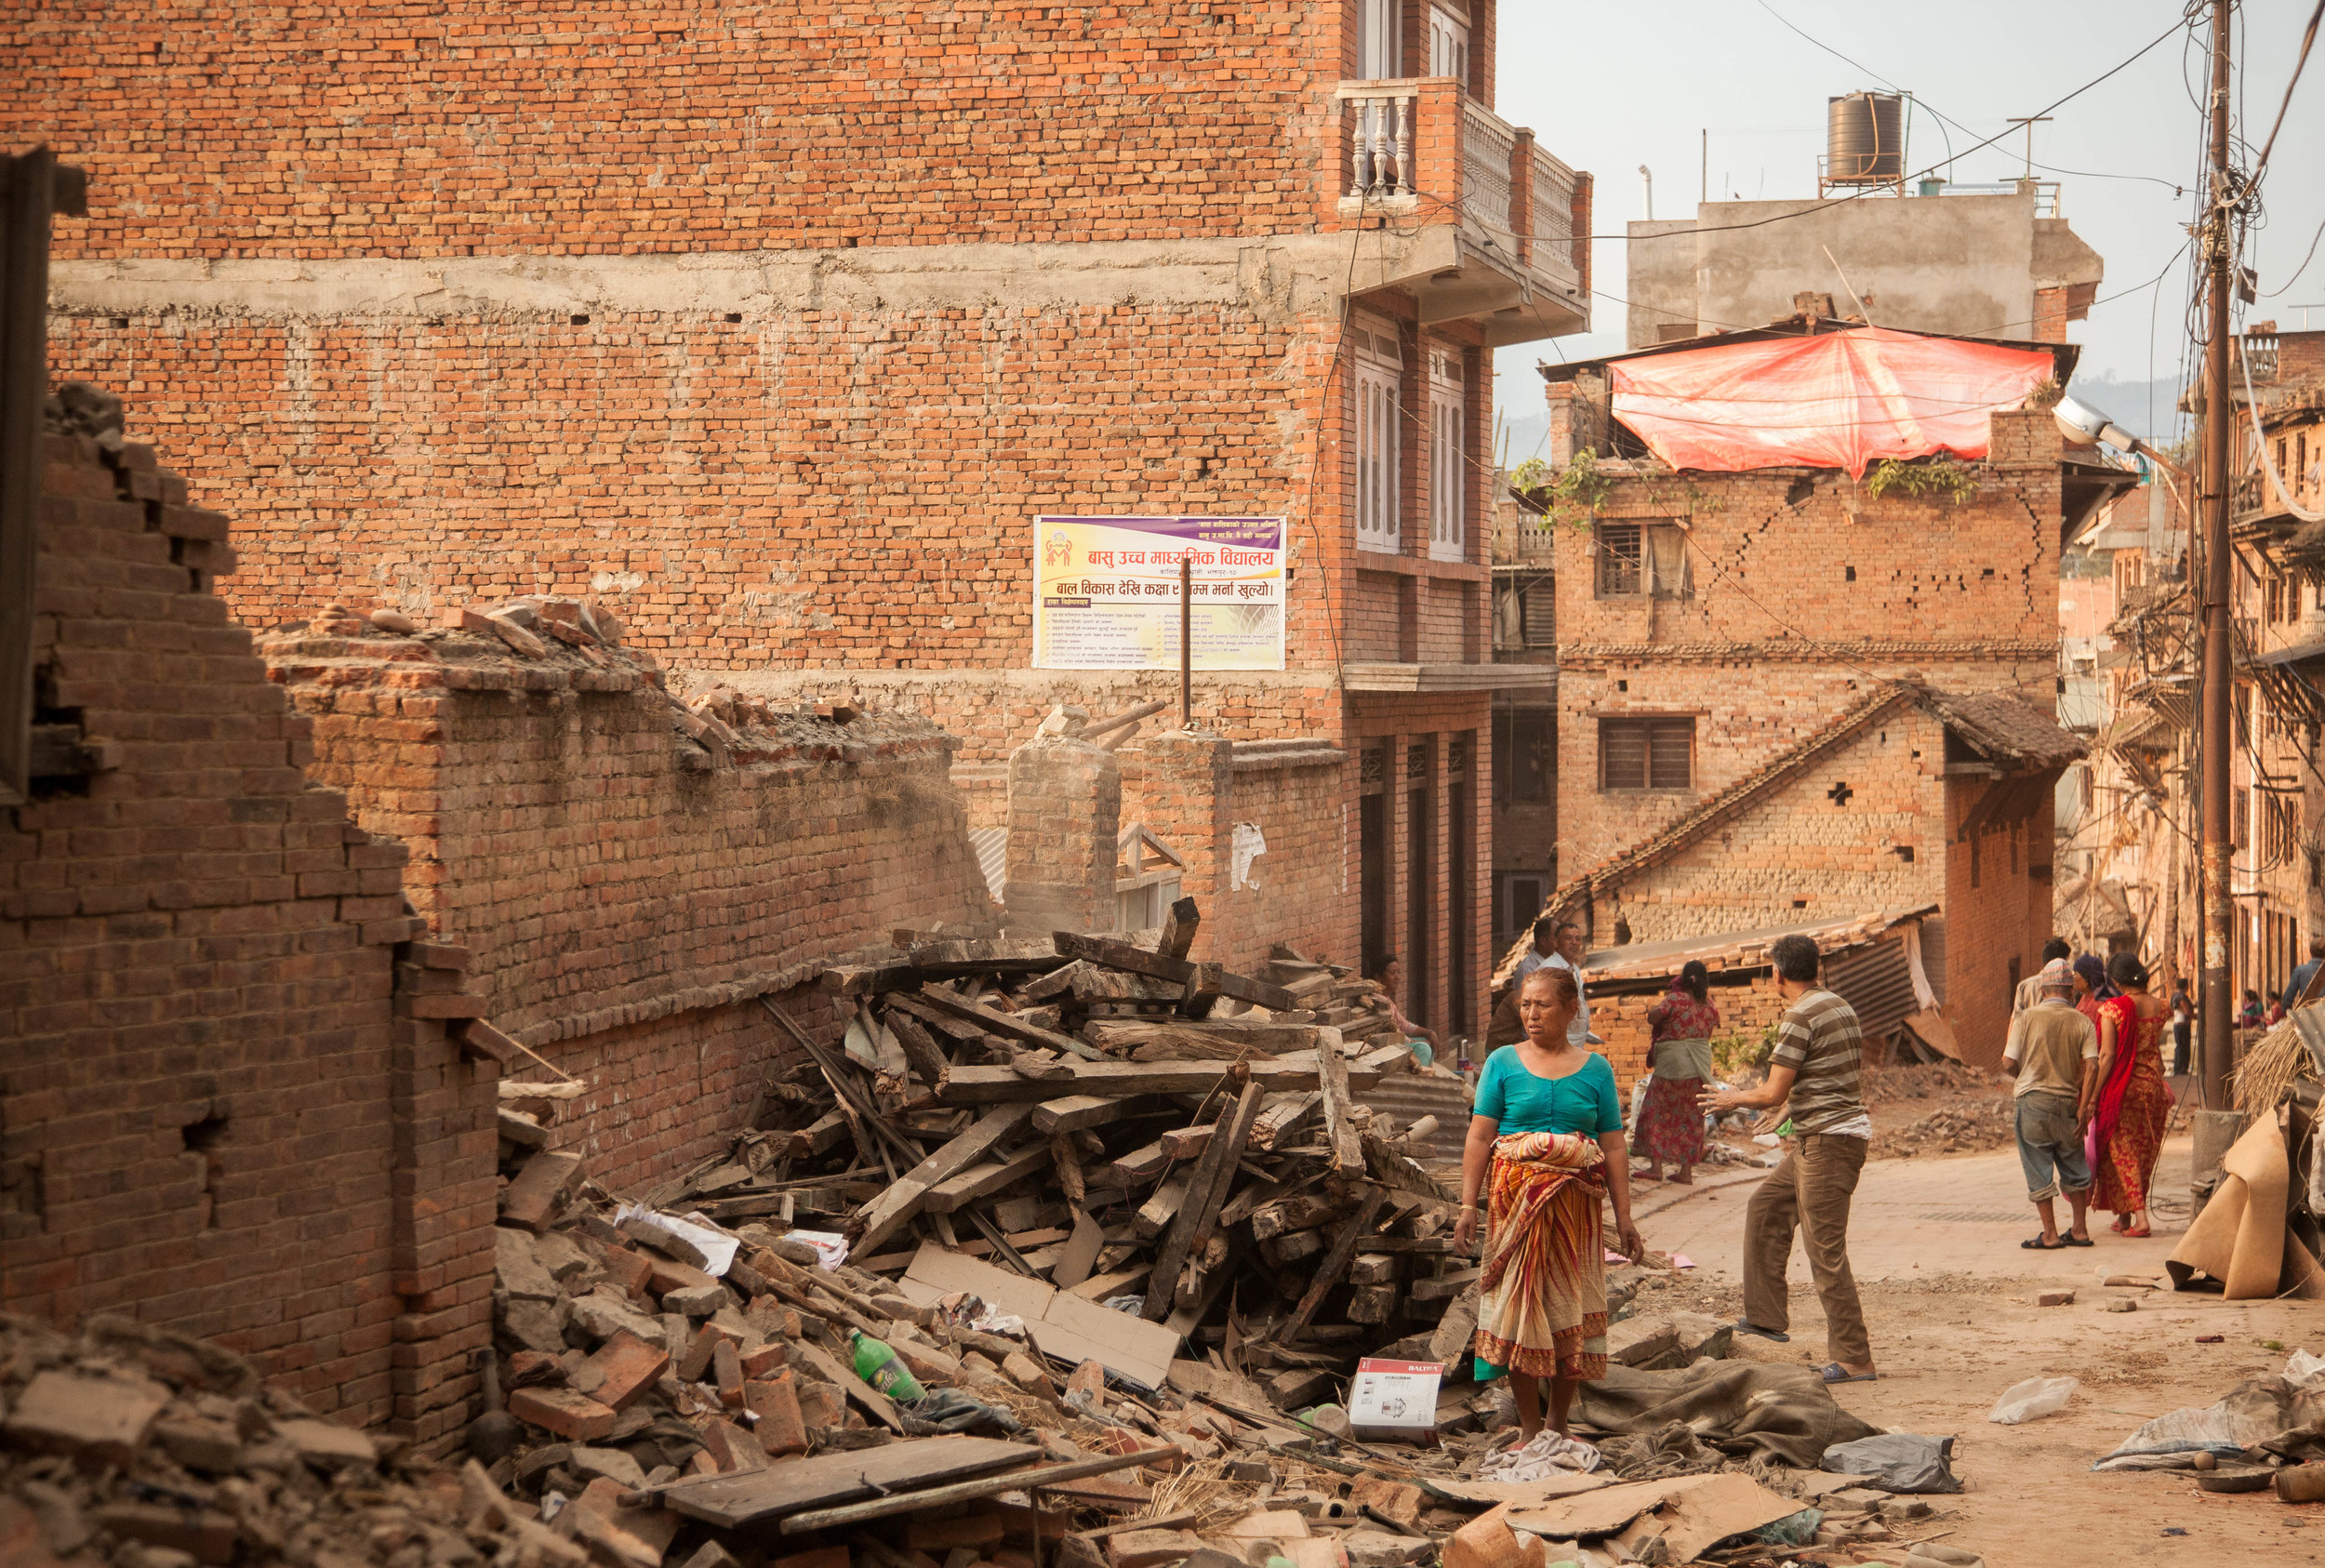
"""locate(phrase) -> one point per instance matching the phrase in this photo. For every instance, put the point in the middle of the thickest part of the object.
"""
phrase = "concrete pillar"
(1187, 799)
(1065, 815)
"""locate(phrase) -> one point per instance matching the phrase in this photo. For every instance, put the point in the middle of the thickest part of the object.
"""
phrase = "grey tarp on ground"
(1739, 1407)
(2272, 1414)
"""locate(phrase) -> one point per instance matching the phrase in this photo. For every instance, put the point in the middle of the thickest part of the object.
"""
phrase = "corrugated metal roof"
(1408, 1096)
(993, 856)
(1877, 982)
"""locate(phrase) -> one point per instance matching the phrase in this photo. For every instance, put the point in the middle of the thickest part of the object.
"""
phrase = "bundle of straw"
(2271, 1067)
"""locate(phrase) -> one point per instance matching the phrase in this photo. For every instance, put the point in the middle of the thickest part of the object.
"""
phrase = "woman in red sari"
(1671, 1120)
(2127, 1124)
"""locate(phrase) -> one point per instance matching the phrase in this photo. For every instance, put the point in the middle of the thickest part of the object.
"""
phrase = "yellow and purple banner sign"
(1106, 591)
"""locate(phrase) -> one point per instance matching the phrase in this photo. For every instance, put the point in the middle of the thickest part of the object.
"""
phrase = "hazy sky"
(1609, 88)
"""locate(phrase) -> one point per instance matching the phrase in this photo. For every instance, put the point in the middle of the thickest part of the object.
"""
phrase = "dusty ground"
(1951, 1300)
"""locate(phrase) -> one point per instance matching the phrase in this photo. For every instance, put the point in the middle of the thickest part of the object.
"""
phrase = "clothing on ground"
(1809, 1190)
(2126, 1137)
(1820, 1040)
(1542, 1290)
(2049, 1046)
(2050, 1144)
(1740, 1407)
(1520, 1100)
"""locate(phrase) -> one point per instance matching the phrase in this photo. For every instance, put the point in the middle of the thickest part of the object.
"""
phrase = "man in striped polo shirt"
(1819, 1054)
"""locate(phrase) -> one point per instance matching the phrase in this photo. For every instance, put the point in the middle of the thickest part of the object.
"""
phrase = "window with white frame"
(1448, 407)
(1449, 44)
(1380, 33)
(1379, 364)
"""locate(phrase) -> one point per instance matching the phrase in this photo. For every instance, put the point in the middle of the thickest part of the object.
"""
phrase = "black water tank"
(1864, 139)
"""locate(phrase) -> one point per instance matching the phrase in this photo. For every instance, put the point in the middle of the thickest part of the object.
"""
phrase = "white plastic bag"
(2035, 1397)
(2302, 1370)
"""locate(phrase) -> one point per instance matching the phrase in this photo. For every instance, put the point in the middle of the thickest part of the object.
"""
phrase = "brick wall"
(1997, 911)
(228, 1104)
(1747, 713)
(703, 126)
(1797, 854)
(627, 889)
(1301, 891)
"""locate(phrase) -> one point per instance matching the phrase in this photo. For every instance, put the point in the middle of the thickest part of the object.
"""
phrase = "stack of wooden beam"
(1113, 1121)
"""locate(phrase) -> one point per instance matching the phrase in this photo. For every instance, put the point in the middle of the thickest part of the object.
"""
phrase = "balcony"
(1485, 221)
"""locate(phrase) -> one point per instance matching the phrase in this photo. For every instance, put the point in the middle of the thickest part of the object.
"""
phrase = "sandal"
(2074, 1241)
(2036, 1243)
(1834, 1373)
(1744, 1325)
(2138, 1232)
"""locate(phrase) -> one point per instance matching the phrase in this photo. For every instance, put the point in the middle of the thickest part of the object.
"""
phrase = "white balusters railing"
(1553, 212)
(1487, 146)
(1380, 156)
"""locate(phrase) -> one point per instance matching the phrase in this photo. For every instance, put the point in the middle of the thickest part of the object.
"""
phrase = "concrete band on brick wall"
(1279, 275)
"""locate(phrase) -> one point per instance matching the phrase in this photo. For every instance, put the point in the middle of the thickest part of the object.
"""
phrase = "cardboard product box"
(1394, 1401)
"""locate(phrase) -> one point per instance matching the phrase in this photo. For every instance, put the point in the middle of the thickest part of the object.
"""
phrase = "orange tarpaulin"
(1837, 400)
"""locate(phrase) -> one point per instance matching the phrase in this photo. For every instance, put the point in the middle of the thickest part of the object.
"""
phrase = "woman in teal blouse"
(1546, 1145)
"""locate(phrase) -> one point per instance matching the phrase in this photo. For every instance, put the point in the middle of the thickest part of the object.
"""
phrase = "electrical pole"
(2216, 724)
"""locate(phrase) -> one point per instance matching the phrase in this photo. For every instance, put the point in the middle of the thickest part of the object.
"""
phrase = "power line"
(2308, 37)
(1944, 119)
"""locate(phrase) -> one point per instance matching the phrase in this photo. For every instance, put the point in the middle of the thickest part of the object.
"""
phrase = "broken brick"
(98, 1421)
(539, 1190)
(625, 1366)
(563, 1411)
(782, 1428)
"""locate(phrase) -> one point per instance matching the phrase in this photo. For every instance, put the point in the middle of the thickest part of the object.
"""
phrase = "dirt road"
(1950, 1298)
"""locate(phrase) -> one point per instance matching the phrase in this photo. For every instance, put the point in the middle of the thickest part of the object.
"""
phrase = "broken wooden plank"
(957, 1193)
(1205, 1191)
(986, 1085)
(1340, 1130)
(1086, 982)
(1070, 1113)
(1281, 1116)
(736, 1500)
(893, 1209)
(1335, 1263)
(1444, 1287)
(1103, 1287)
(1143, 1163)
(1157, 1211)
(1080, 1252)
(1260, 1039)
(930, 1065)
(1007, 1024)
(1178, 931)
(1122, 955)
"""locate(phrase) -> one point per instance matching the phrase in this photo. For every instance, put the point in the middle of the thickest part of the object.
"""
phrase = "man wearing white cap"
(2055, 1052)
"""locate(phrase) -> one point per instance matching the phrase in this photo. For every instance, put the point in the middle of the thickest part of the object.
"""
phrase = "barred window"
(1646, 753)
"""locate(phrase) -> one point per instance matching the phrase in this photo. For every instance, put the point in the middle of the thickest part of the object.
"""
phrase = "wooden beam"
(928, 1062)
(1007, 1024)
(984, 1085)
(893, 1209)
(1178, 931)
(1335, 1263)
(1340, 1130)
(1162, 966)
(956, 1192)
(1073, 1112)
(1210, 1038)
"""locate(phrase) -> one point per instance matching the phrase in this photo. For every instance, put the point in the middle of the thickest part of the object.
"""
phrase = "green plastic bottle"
(878, 1364)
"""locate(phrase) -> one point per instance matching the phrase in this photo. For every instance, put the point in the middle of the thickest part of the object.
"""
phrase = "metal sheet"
(1875, 980)
(1408, 1096)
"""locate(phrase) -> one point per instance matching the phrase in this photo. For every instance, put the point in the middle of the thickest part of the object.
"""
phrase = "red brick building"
(1785, 699)
(776, 330)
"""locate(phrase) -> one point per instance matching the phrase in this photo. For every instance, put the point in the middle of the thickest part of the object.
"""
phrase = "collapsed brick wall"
(229, 1105)
(1301, 890)
(627, 891)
